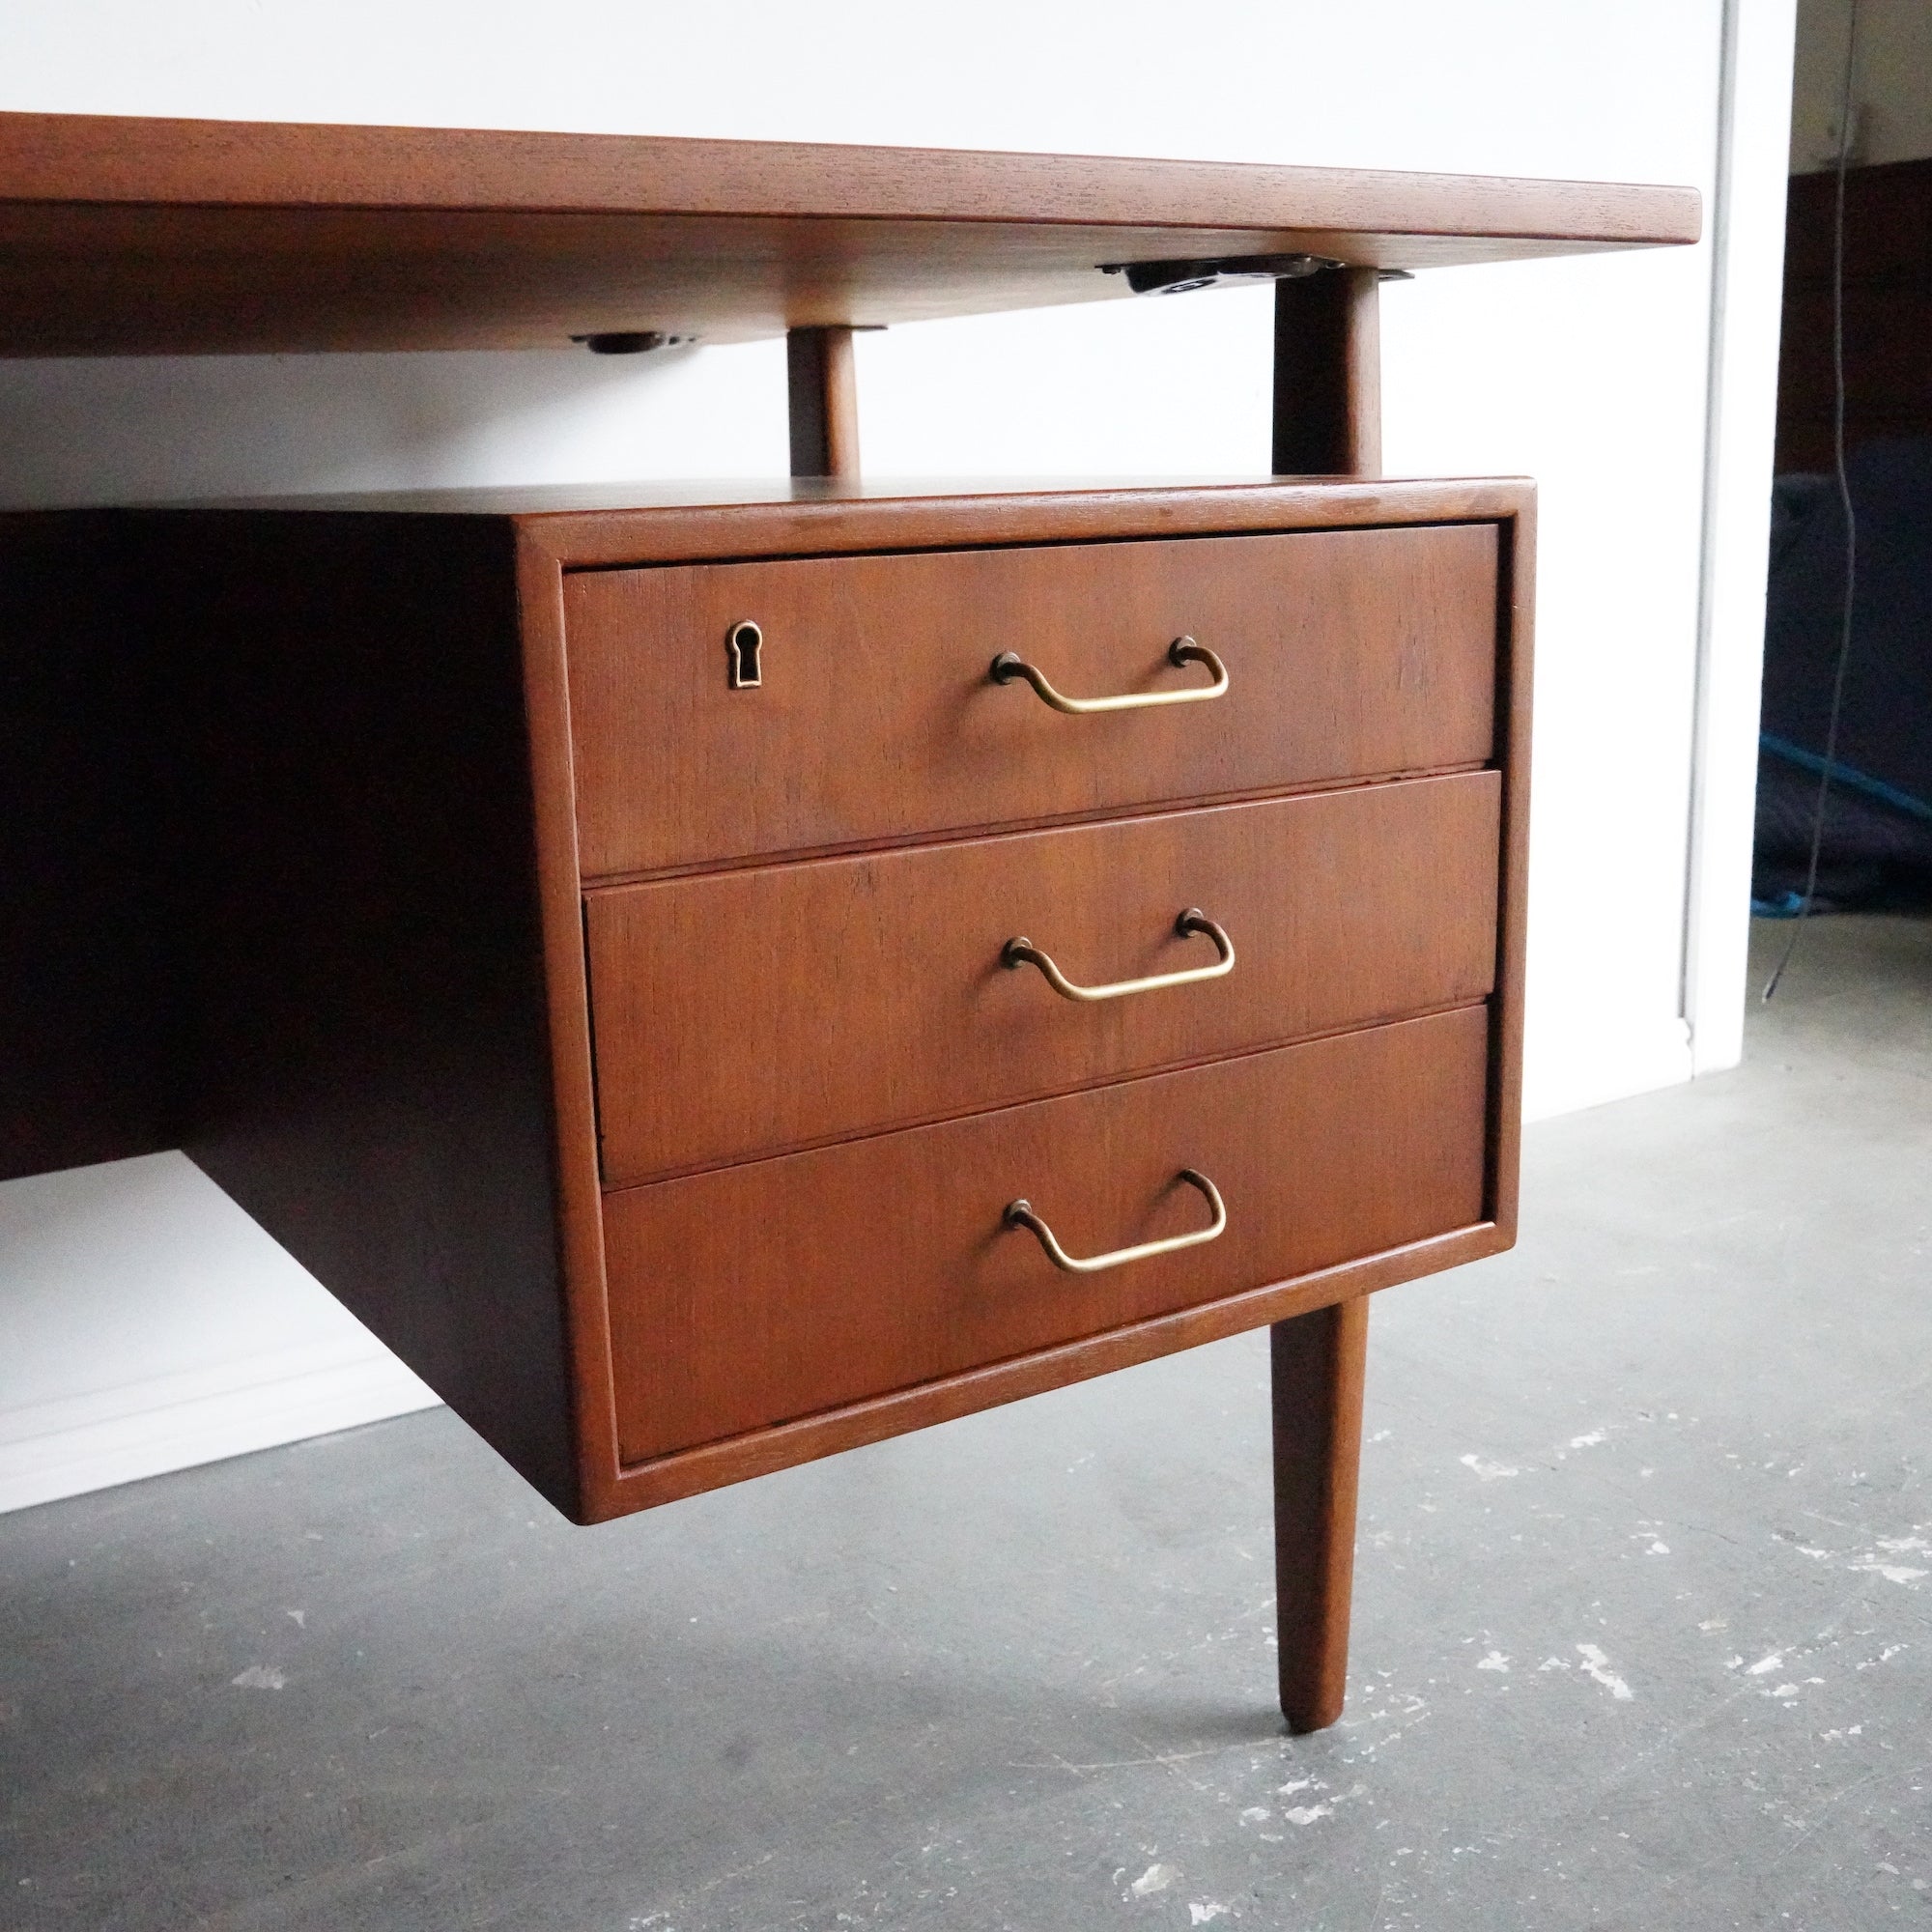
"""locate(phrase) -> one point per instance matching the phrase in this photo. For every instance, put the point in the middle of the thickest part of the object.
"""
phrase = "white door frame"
(1746, 299)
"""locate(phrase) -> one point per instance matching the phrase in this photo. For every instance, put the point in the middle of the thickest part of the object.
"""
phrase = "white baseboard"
(67, 1447)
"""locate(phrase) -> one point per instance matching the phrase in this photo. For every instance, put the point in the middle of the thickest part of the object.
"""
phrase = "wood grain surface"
(755, 1294)
(748, 1012)
(1351, 653)
(127, 235)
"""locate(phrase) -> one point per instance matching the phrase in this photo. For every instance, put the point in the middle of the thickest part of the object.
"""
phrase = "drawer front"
(745, 1013)
(1350, 653)
(752, 1295)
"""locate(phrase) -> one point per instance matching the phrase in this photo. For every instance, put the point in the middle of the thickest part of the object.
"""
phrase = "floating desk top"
(136, 235)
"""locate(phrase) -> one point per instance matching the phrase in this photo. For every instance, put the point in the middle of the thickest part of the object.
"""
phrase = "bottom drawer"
(752, 1295)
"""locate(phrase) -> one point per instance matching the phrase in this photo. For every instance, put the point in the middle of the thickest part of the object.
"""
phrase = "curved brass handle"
(1009, 665)
(1020, 1215)
(1024, 952)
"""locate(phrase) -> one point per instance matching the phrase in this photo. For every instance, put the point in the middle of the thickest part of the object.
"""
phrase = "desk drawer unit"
(821, 1080)
(650, 1032)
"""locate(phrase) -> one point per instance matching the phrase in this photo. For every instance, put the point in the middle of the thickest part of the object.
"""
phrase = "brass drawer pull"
(1009, 665)
(1020, 1215)
(1024, 952)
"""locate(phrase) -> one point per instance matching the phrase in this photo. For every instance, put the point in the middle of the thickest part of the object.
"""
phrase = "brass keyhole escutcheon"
(745, 643)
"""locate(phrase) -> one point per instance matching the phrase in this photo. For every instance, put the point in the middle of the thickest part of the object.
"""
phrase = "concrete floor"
(1643, 1630)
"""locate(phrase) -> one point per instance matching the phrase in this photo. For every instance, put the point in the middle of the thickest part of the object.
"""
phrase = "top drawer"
(1350, 654)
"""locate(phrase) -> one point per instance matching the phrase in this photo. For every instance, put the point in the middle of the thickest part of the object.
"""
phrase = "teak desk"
(716, 977)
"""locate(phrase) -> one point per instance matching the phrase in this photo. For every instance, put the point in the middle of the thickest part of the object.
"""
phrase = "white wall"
(148, 1325)
(1589, 375)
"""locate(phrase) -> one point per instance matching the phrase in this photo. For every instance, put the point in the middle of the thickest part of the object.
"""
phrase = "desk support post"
(1327, 374)
(1327, 421)
(823, 391)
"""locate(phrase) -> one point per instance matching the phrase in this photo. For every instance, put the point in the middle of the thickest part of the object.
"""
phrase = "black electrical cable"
(1825, 770)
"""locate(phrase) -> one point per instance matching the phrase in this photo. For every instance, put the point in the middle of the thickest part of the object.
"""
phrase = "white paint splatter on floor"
(1597, 1667)
(1885, 1655)
(1488, 1472)
(262, 1677)
(1893, 1573)
(1156, 1878)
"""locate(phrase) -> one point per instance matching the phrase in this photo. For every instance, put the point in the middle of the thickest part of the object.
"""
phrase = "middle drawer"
(751, 1012)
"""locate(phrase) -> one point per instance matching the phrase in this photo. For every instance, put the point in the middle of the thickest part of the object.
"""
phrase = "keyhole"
(743, 640)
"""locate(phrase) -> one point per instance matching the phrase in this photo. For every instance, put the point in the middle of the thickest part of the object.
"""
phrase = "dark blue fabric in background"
(1877, 848)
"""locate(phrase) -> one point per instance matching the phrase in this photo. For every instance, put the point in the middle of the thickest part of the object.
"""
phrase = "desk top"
(133, 235)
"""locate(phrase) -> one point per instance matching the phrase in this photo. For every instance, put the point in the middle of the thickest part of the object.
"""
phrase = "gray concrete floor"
(1641, 1634)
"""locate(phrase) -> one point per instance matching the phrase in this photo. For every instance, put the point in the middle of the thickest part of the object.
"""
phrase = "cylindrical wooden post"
(1327, 422)
(824, 395)
(1327, 374)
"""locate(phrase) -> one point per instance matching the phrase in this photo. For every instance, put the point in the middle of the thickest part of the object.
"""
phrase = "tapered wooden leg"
(1318, 1364)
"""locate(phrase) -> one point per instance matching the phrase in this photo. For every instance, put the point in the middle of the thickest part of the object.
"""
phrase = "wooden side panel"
(370, 1054)
(754, 1293)
(1351, 653)
(750, 1012)
(1516, 679)
(90, 846)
